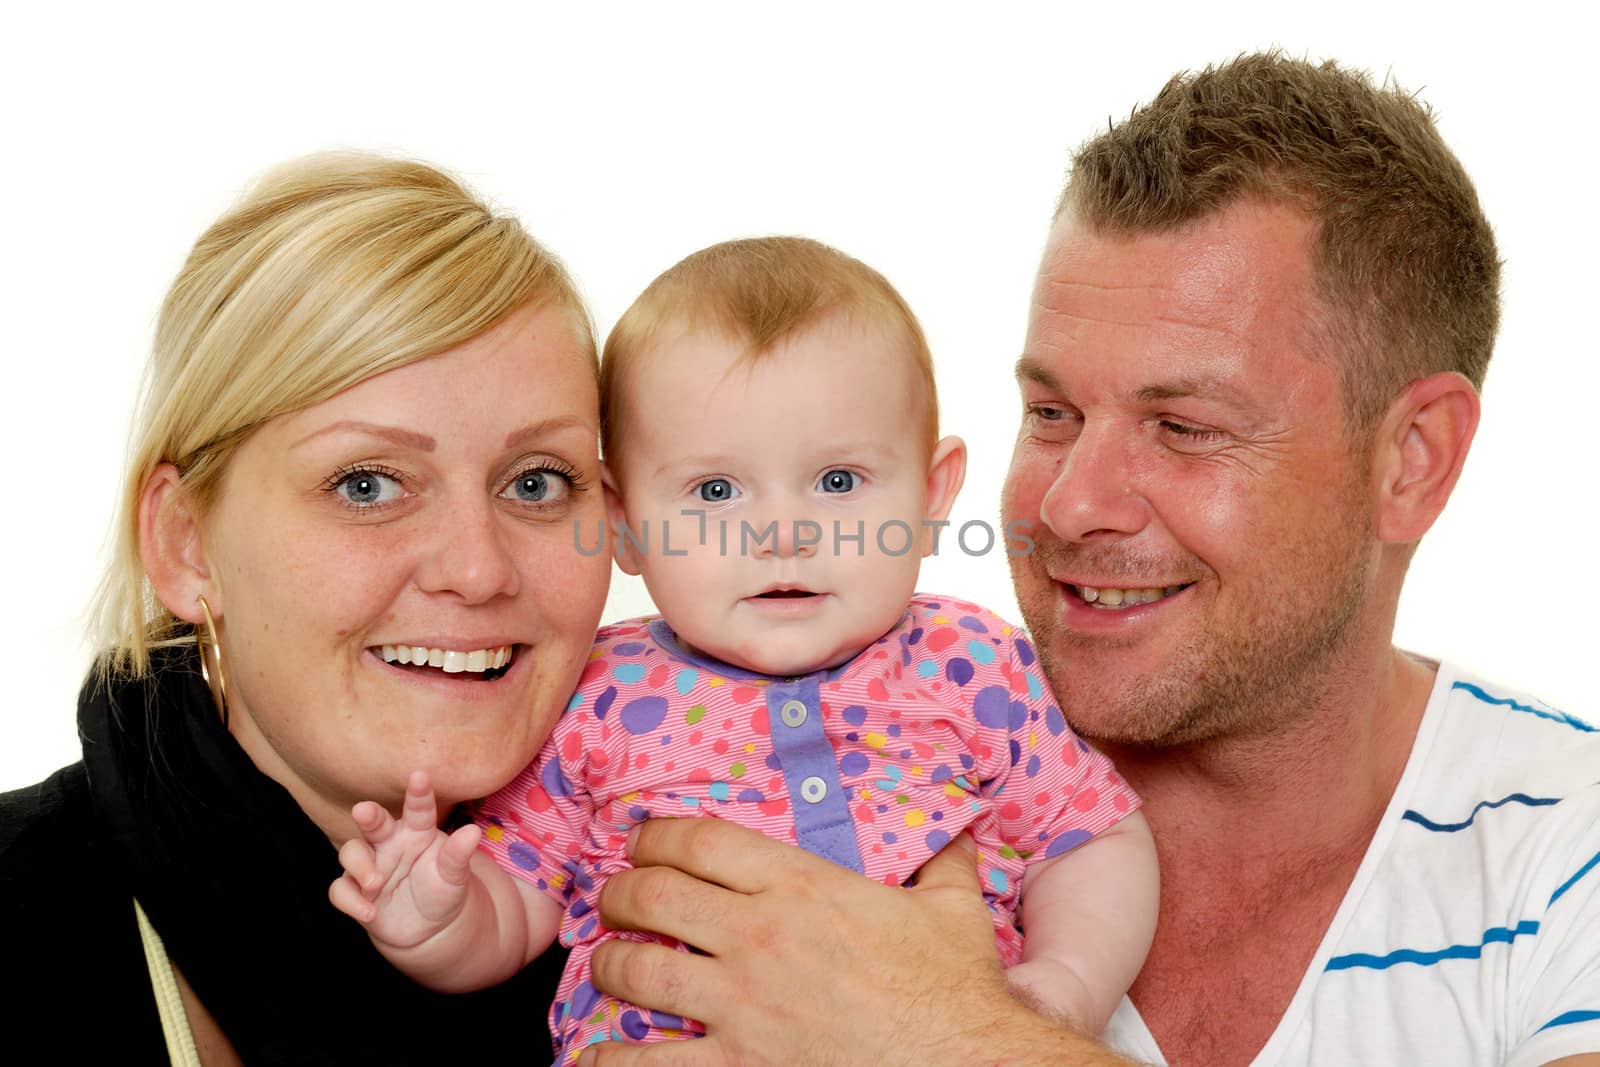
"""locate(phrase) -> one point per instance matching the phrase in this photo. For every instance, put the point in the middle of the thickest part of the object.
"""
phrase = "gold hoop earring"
(211, 661)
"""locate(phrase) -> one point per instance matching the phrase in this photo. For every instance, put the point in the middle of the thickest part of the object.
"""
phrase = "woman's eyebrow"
(408, 438)
(535, 430)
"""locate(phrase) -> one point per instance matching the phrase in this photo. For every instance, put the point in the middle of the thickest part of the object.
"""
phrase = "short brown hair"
(1404, 259)
(757, 291)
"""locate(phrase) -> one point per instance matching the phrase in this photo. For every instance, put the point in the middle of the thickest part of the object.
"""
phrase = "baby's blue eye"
(716, 490)
(837, 481)
(368, 487)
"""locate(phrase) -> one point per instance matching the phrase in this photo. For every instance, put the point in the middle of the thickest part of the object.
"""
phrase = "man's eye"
(1046, 412)
(716, 490)
(364, 488)
(1190, 433)
(837, 481)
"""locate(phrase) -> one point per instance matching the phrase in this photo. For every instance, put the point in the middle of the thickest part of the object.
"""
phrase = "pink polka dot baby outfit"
(941, 725)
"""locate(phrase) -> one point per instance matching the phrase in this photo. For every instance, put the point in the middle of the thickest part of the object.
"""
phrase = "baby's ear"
(172, 548)
(947, 469)
(625, 550)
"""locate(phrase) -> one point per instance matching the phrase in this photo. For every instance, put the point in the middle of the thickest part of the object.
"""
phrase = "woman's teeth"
(1121, 598)
(449, 660)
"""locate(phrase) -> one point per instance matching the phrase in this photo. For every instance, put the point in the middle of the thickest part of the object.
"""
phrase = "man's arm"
(808, 962)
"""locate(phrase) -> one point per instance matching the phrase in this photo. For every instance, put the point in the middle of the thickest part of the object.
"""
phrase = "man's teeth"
(1117, 598)
(449, 660)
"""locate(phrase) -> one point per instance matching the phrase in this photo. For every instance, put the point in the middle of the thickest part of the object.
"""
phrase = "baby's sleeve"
(1050, 790)
(536, 827)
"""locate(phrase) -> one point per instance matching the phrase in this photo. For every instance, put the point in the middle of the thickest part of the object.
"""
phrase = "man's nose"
(1096, 490)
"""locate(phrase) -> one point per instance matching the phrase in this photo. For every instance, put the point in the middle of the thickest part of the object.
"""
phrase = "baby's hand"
(404, 881)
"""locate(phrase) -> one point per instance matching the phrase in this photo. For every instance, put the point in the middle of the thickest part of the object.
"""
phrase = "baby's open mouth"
(784, 594)
(1110, 599)
(483, 664)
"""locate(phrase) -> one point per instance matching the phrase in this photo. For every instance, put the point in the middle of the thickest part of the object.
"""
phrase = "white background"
(931, 145)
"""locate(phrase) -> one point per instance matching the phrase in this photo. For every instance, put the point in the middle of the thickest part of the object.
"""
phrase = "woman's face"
(431, 507)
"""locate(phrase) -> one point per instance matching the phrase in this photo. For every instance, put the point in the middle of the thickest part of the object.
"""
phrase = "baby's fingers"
(456, 854)
(420, 812)
(360, 865)
(346, 895)
(376, 824)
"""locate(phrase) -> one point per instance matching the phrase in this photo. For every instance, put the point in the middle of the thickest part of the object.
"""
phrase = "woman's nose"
(470, 555)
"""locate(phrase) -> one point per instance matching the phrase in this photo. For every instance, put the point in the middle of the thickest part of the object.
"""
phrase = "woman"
(369, 424)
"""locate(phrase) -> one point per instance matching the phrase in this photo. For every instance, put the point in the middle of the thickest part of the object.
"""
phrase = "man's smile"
(1108, 599)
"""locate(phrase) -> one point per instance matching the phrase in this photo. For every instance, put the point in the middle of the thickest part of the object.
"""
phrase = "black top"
(166, 807)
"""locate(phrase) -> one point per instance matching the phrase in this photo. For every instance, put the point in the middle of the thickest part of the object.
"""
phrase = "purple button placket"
(806, 760)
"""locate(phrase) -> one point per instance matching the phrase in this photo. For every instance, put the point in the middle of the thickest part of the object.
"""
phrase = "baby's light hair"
(758, 292)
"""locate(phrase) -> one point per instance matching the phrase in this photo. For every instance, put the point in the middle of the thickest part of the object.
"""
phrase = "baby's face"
(788, 458)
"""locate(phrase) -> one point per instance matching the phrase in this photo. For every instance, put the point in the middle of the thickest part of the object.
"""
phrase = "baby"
(775, 474)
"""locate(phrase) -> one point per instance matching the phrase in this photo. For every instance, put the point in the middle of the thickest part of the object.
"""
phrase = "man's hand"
(806, 962)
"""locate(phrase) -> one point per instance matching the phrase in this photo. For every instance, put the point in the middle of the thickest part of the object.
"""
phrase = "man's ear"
(1419, 451)
(172, 549)
(947, 469)
(623, 549)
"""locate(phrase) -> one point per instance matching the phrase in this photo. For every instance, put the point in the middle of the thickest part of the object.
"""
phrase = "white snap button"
(813, 789)
(793, 713)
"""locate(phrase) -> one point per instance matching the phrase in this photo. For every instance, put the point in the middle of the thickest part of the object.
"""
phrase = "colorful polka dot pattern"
(943, 724)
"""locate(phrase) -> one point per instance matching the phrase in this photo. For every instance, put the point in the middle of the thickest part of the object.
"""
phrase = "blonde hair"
(757, 291)
(1404, 258)
(333, 268)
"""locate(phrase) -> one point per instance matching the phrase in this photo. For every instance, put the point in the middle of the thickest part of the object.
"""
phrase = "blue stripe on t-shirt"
(1568, 1017)
(1451, 827)
(1552, 715)
(1497, 934)
(1585, 869)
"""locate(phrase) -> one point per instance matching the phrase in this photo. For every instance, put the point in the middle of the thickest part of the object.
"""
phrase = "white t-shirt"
(1471, 933)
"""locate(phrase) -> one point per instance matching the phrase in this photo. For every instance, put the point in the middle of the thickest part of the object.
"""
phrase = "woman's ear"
(623, 549)
(171, 546)
(1420, 449)
(947, 469)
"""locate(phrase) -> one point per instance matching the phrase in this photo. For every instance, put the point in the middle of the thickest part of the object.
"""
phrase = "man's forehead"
(1216, 309)
(1221, 271)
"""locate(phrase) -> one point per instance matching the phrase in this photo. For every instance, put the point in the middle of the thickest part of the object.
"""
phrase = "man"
(1249, 386)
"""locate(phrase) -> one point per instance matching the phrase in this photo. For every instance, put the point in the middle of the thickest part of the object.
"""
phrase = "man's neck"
(1315, 786)
(1259, 838)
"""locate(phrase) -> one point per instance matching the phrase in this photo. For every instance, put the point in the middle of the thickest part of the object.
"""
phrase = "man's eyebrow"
(535, 430)
(1203, 386)
(406, 438)
(1030, 369)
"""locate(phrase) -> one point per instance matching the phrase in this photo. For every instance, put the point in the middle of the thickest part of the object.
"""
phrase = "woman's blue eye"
(537, 487)
(839, 481)
(716, 490)
(368, 487)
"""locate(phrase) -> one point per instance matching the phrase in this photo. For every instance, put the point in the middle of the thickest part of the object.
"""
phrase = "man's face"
(1204, 537)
